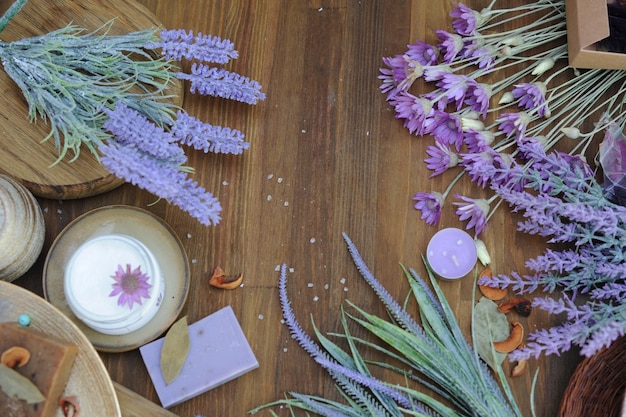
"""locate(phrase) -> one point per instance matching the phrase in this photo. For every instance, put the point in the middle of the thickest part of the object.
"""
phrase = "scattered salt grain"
(261, 317)
(326, 286)
(316, 298)
(286, 203)
(310, 285)
(224, 183)
(269, 197)
(291, 270)
(342, 280)
(188, 235)
(194, 261)
(312, 240)
(279, 180)
(345, 289)
(277, 268)
(270, 176)
(284, 349)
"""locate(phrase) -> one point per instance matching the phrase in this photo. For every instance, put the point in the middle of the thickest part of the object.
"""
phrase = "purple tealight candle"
(451, 253)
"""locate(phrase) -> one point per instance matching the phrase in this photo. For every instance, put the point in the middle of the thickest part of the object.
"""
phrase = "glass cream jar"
(89, 279)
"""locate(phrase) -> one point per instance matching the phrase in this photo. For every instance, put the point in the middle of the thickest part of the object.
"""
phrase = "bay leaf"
(489, 325)
(175, 350)
(14, 384)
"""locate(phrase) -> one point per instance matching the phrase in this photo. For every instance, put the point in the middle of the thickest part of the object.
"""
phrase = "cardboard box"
(588, 23)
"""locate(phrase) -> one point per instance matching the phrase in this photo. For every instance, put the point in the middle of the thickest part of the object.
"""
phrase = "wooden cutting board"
(22, 154)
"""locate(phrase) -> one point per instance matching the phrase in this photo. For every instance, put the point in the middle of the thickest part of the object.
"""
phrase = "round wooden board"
(24, 156)
(89, 380)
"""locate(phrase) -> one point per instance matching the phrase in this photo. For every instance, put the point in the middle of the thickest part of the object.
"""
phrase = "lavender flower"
(430, 205)
(160, 178)
(216, 82)
(179, 44)
(203, 136)
(128, 127)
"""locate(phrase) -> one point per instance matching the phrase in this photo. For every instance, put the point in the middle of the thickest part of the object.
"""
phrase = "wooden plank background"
(327, 149)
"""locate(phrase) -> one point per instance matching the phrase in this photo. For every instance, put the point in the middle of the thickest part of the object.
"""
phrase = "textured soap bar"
(218, 353)
(48, 368)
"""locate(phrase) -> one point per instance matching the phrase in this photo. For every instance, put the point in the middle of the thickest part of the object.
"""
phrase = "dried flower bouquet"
(497, 95)
(109, 94)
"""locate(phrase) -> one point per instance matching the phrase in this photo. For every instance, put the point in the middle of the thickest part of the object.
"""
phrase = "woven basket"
(597, 387)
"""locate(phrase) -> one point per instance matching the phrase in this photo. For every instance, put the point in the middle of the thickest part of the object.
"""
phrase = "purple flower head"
(416, 112)
(179, 44)
(422, 52)
(531, 96)
(388, 83)
(131, 128)
(130, 285)
(576, 163)
(482, 55)
(440, 158)
(404, 72)
(430, 205)
(447, 128)
(477, 97)
(603, 337)
(514, 124)
(203, 136)
(451, 45)
(455, 87)
(479, 166)
(221, 83)
(478, 140)
(473, 210)
(436, 73)
(160, 178)
(466, 20)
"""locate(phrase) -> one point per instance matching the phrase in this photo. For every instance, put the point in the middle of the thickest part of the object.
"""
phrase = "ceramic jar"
(22, 229)
(89, 278)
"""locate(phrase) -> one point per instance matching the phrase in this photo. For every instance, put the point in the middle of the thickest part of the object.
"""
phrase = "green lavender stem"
(11, 12)
(68, 77)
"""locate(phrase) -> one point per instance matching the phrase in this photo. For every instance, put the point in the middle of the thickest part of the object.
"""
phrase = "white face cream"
(89, 282)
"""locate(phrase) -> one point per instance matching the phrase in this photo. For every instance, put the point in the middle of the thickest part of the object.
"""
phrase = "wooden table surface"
(327, 149)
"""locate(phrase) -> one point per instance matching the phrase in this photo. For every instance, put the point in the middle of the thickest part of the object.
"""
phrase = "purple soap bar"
(218, 353)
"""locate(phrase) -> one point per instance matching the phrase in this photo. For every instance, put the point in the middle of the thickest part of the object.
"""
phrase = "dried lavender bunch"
(110, 94)
(435, 353)
(561, 200)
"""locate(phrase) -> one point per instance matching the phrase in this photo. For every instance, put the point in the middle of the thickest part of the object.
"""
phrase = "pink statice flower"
(473, 210)
(430, 205)
(130, 286)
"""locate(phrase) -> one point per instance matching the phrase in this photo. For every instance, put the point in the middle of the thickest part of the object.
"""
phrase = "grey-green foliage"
(68, 77)
(431, 352)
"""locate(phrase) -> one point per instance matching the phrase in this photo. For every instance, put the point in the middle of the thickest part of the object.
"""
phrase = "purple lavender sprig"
(179, 44)
(565, 204)
(202, 136)
(218, 82)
